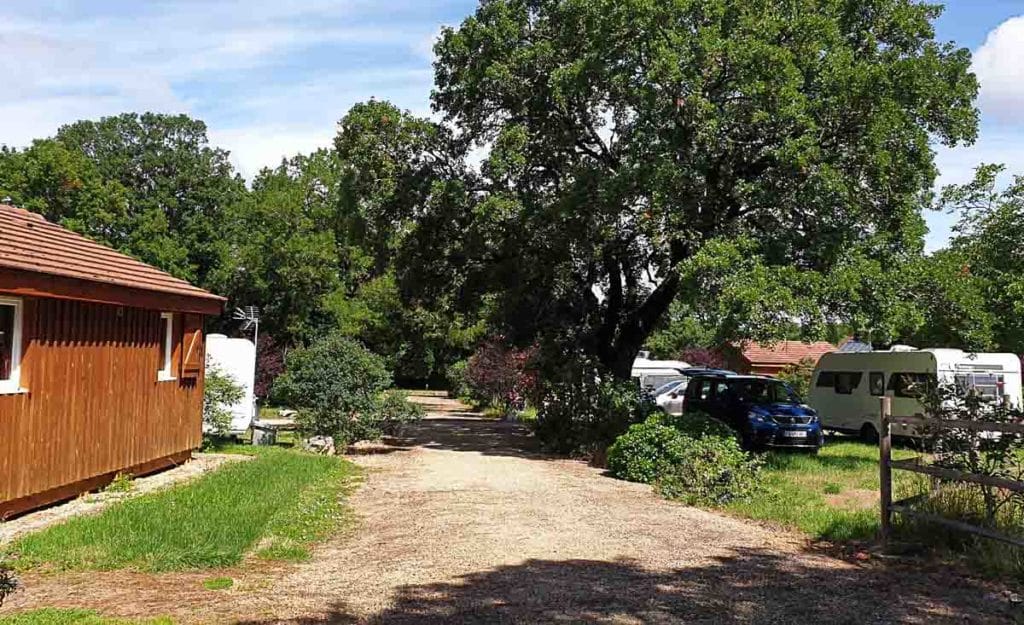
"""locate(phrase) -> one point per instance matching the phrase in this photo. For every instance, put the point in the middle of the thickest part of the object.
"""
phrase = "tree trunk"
(636, 328)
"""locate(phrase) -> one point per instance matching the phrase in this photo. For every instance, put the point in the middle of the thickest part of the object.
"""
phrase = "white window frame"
(166, 373)
(13, 384)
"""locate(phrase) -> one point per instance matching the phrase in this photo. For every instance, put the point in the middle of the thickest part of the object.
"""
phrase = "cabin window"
(166, 347)
(846, 381)
(10, 345)
(826, 379)
(876, 381)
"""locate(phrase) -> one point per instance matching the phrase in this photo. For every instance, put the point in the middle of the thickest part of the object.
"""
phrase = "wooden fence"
(917, 465)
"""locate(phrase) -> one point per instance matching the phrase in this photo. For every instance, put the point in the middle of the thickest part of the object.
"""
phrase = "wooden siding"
(94, 405)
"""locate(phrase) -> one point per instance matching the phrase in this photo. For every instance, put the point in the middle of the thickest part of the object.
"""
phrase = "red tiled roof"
(28, 242)
(784, 352)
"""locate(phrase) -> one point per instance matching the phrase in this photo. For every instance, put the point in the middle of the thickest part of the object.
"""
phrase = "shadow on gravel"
(474, 434)
(751, 586)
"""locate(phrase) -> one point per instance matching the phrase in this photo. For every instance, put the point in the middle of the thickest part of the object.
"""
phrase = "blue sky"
(271, 78)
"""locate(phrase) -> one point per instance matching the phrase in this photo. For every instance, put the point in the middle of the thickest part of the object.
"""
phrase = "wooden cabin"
(101, 364)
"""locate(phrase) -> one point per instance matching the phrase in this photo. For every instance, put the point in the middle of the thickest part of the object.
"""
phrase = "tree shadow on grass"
(748, 586)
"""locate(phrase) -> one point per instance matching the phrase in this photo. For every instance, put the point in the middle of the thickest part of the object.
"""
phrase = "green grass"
(218, 583)
(51, 616)
(279, 503)
(833, 495)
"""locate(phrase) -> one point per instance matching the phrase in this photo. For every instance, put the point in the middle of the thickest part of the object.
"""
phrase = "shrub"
(798, 376)
(711, 471)
(703, 357)
(642, 453)
(335, 384)
(581, 411)
(269, 365)
(395, 412)
(501, 376)
(978, 453)
(458, 384)
(8, 582)
(122, 483)
(696, 425)
(220, 392)
(694, 459)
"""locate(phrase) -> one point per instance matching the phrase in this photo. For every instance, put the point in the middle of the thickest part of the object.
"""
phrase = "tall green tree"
(989, 246)
(627, 136)
(65, 187)
(281, 252)
(177, 185)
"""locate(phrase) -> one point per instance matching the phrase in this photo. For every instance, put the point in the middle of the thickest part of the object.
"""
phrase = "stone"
(323, 445)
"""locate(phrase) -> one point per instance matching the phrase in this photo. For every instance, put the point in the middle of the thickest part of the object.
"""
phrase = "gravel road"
(464, 522)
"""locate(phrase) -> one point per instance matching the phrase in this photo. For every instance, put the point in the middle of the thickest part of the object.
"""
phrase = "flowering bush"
(703, 357)
(500, 375)
(269, 365)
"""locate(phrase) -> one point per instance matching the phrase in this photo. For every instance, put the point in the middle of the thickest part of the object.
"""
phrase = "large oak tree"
(630, 139)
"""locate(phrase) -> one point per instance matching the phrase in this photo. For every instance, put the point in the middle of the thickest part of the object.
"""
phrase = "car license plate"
(795, 433)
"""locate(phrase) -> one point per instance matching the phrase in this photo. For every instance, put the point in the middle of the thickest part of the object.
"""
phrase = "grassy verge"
(833, 495)
(50, 616)
(279, 503)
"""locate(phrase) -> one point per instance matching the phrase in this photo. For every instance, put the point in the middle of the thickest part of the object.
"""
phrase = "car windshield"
(667, 387)
(763, 392)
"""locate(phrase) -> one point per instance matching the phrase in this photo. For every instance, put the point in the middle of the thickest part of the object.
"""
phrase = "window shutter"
(192, 359)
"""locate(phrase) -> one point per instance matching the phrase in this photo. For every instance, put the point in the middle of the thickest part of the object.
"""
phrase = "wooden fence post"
(885, 468)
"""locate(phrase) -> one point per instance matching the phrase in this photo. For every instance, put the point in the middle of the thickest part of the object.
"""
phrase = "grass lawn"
(50, 616)
(833, 495)
(275, 505)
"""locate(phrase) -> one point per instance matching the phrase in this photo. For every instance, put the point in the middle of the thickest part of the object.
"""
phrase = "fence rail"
(906, 506)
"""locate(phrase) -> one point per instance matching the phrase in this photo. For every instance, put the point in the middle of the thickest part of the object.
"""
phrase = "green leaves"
(988, 249)
(638, 139)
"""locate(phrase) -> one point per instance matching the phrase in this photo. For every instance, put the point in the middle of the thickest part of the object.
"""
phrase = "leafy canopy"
(629, 138)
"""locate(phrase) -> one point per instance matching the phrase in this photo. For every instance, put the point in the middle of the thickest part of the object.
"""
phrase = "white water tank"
(237, 358)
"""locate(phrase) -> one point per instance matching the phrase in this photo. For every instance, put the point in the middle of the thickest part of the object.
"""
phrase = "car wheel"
(869, 434)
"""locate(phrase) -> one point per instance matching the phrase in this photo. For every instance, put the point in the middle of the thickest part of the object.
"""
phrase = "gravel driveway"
(466, 523)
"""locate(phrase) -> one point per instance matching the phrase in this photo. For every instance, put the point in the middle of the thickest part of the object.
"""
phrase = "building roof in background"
(30, 243)
(784, 352)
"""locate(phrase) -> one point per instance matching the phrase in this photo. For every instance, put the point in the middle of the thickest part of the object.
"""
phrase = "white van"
(654, 373)
(846, 387)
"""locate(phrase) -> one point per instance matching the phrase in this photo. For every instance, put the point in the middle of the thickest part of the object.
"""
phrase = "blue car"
(764, 411)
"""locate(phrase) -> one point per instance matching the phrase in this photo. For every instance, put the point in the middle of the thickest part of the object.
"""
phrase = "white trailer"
(654, 373)
(846, 387)
(237, 358)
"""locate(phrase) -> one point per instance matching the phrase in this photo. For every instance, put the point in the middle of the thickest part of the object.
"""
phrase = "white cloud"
(999, 65)
(957, 165)
(270, 78)
(252, 149)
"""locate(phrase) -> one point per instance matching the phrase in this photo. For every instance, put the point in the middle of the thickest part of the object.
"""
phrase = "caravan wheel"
(869, 434)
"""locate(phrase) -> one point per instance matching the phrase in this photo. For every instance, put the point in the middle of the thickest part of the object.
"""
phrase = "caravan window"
(988, 386)
(906, 384)
(876, 383)
(826, 379)
(846, 381)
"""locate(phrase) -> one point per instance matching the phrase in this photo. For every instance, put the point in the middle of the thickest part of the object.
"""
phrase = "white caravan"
(654, 373)
(846, 387)
(237, 358)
